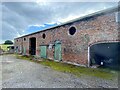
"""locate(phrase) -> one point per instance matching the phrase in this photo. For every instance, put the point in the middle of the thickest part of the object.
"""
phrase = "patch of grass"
(8, 54)
(25, 57)
(76, 70)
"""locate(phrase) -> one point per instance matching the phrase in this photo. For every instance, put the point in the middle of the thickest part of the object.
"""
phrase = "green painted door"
(24, 50)
(17, 50)
(43, 50)
(57, 53)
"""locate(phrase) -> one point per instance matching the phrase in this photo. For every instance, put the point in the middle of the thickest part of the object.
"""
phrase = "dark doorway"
(32, 46)
(105, 54)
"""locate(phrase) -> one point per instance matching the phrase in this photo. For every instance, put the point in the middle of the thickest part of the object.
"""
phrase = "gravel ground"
(18, 73)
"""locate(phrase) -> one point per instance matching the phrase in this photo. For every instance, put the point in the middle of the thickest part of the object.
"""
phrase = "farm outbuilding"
(81, 41)
(10, 49)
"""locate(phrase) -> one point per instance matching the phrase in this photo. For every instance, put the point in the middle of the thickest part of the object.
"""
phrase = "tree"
(8, 42)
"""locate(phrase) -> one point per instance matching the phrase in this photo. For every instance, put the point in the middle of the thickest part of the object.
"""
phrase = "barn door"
(24, 50)
(57, 53)
(105, 54)
(43, 53)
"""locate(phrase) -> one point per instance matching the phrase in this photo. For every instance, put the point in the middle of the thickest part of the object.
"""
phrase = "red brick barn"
(73, 42)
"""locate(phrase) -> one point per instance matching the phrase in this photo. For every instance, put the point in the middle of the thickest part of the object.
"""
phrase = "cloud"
(17, 17)
(37, 27)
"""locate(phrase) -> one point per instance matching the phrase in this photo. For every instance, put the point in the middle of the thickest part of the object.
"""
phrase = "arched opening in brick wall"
(44, 36)
(32, 46)
(105, 55)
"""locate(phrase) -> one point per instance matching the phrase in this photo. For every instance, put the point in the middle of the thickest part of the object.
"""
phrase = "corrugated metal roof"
(102, 12)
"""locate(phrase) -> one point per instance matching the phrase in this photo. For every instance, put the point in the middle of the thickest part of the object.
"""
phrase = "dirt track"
(18, 73)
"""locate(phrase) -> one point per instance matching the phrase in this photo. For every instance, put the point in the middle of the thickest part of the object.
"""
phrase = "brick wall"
(75, 47)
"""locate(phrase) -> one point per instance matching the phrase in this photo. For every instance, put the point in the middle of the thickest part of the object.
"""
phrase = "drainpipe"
(88, 56)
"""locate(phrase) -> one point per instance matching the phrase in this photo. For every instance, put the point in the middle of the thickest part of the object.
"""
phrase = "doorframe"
(88, 56)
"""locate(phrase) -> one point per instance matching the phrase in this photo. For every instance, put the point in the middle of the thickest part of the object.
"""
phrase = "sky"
(21, 18)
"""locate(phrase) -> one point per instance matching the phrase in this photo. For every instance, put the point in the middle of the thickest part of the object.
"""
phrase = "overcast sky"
(20, 18)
